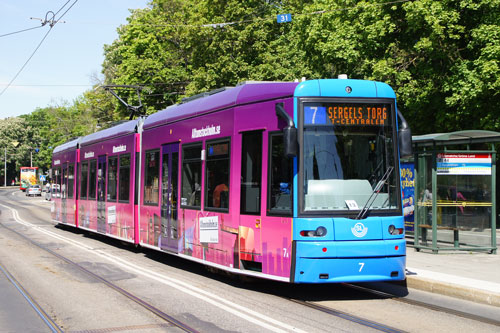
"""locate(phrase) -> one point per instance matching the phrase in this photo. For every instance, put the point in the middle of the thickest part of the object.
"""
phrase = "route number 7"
(361, 265)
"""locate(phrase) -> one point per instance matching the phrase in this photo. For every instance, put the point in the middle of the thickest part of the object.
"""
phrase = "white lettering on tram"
(120, 148)
(207, 131)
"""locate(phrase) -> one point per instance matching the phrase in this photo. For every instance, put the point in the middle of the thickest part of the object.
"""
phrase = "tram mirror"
(290, 141)
(405, 149)
(404, 136)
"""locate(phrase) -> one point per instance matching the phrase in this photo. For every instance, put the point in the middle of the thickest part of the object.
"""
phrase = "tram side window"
(191, 176)
(83, 180)
(92, 179)
(251, 173)
(57, 186)
(71, 179)
(112, 179)
(217, 175)
(64, 181)
(152, 178)
(124, 179)
(280, 178)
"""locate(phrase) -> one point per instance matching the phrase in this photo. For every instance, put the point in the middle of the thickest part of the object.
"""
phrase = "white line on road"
(224, 304)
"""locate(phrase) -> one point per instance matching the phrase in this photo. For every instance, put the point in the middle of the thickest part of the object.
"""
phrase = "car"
(34, 190)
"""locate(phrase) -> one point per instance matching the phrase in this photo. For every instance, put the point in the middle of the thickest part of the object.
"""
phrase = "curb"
(453, 290)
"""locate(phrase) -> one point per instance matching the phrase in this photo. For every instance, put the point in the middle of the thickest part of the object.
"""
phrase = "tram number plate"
(361, 265)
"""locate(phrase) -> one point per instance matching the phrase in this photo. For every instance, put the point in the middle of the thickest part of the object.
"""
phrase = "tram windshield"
(348, 147)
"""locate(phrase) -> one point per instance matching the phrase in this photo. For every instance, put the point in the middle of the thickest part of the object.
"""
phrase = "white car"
(34, 190)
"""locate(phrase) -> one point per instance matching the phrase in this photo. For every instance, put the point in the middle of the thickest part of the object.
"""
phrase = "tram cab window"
(152, 178)
(112, 178)
(124, 178)
(191, 176)
(83, 180)
(217, 175)
(280, 178)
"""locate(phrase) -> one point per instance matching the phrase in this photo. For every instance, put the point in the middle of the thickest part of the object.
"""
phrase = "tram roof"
(73, 144)
(246, 93)
(458, 137)
(112, 132)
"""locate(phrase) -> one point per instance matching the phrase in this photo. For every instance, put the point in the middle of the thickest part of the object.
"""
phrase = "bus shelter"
(455, 177)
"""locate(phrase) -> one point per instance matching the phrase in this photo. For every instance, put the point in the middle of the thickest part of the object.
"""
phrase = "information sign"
(463, 164)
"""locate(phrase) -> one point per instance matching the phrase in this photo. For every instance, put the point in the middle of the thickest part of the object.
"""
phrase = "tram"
(289, 181)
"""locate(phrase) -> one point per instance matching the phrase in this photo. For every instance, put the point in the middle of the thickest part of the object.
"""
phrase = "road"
(85, 282)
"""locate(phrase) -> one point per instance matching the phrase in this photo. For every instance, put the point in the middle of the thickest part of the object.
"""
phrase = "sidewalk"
(473, 276)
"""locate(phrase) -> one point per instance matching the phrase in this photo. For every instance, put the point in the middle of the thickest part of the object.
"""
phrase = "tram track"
(310, 304)
(164, 316)
(347, 316)
(31, 301)
(433, 307)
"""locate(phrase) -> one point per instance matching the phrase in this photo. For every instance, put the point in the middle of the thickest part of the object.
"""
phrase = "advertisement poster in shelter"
(408, 192)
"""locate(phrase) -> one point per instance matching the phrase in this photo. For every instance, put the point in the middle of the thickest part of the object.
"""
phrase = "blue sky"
(72, 53)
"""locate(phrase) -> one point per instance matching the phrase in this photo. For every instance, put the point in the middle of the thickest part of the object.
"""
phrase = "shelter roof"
(455, 138)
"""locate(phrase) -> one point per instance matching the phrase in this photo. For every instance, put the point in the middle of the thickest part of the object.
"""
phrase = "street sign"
(42, 178)
(283, 18)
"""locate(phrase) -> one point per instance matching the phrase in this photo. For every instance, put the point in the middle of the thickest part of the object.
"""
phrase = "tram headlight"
(395, 231)
(319, 232)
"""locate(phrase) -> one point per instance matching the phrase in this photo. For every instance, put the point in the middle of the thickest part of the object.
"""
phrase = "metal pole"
(5, 168)
(31, 158)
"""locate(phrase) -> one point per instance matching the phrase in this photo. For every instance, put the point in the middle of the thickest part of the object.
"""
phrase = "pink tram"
(296, 182)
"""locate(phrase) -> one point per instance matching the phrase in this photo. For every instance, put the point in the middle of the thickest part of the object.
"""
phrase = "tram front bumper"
(349, 261)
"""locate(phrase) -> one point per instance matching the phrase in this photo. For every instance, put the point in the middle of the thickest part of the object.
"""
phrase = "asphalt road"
(208, 302)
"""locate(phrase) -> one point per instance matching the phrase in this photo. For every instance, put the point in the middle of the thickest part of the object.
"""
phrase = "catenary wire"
(26, 63)
(54, 22)
(17, 32)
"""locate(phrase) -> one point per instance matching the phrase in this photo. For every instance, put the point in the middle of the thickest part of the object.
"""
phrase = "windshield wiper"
(374, 194)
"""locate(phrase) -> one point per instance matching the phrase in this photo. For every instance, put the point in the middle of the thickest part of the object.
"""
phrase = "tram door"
(169, 199)
(101, 194)
(64, 193)
(250, 205)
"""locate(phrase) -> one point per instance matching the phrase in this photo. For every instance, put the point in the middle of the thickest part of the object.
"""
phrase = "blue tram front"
(348, 223)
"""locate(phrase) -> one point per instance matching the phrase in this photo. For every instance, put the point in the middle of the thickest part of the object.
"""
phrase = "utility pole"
(5, 175)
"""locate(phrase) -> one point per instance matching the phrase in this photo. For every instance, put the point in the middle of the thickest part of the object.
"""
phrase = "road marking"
(224, 304)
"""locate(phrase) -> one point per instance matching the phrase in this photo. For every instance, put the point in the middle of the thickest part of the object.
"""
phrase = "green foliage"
(441, 57)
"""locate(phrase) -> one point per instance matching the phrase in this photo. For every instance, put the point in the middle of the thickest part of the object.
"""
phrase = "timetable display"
(347, 114)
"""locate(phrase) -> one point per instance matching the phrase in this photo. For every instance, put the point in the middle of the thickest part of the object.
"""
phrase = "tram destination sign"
(463, 164)
(347, 114)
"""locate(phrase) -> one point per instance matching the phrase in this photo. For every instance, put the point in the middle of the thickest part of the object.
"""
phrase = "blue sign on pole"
(42, 178)
(283, 18)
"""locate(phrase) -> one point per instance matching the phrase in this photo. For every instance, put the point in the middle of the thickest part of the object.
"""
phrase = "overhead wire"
(17, 32)
(26, 63)
(51, 25)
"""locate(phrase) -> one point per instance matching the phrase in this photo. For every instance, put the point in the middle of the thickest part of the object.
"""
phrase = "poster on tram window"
(463, 164)
(408, 192)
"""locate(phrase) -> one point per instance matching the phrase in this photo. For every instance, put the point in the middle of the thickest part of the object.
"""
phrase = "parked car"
(33, 190)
